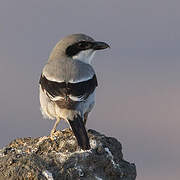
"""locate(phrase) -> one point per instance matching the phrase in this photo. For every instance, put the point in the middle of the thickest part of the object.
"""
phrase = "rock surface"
(61, 159)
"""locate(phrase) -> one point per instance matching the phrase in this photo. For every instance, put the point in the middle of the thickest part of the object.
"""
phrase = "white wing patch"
(76, 98)
(58, 98)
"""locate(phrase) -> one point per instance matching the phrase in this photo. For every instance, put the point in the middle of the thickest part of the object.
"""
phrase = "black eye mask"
(77, 47)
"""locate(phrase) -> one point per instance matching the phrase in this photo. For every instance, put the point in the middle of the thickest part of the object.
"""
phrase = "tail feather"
(80, 133)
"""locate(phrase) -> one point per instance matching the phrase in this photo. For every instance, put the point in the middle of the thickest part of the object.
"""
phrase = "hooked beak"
(100, 45)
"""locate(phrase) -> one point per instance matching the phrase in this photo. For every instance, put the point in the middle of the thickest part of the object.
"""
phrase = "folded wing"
(62, 90)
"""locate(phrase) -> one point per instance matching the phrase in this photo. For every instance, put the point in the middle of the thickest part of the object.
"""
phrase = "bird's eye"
(80, 44)
(84, 45)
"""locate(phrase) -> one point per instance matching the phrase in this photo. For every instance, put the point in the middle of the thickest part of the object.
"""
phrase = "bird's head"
(79, 47)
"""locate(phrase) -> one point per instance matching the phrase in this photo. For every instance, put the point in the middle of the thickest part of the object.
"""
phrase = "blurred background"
(138, 98)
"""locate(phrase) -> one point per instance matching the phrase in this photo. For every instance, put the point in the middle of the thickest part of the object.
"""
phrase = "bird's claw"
(53, 134)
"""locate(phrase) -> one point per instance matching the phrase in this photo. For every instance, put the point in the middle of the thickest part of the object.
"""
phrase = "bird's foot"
(53, 134)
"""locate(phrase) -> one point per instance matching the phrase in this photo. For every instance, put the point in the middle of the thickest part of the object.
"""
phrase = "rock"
(61, 159)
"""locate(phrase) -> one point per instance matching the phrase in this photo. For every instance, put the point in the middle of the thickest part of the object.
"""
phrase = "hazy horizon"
(138, 97)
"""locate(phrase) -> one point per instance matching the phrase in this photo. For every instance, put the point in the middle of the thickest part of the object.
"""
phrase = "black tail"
(79, 130)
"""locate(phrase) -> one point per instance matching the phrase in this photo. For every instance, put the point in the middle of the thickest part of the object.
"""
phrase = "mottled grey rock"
(61, 159)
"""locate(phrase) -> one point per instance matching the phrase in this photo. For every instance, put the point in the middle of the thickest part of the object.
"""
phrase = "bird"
(68, 82)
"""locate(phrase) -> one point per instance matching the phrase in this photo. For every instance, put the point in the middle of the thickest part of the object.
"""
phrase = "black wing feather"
(63, 89)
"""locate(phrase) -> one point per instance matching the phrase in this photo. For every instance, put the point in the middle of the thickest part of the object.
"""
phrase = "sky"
(138, 97)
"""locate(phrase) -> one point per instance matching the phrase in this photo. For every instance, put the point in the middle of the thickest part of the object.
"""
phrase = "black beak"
(100, 45)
